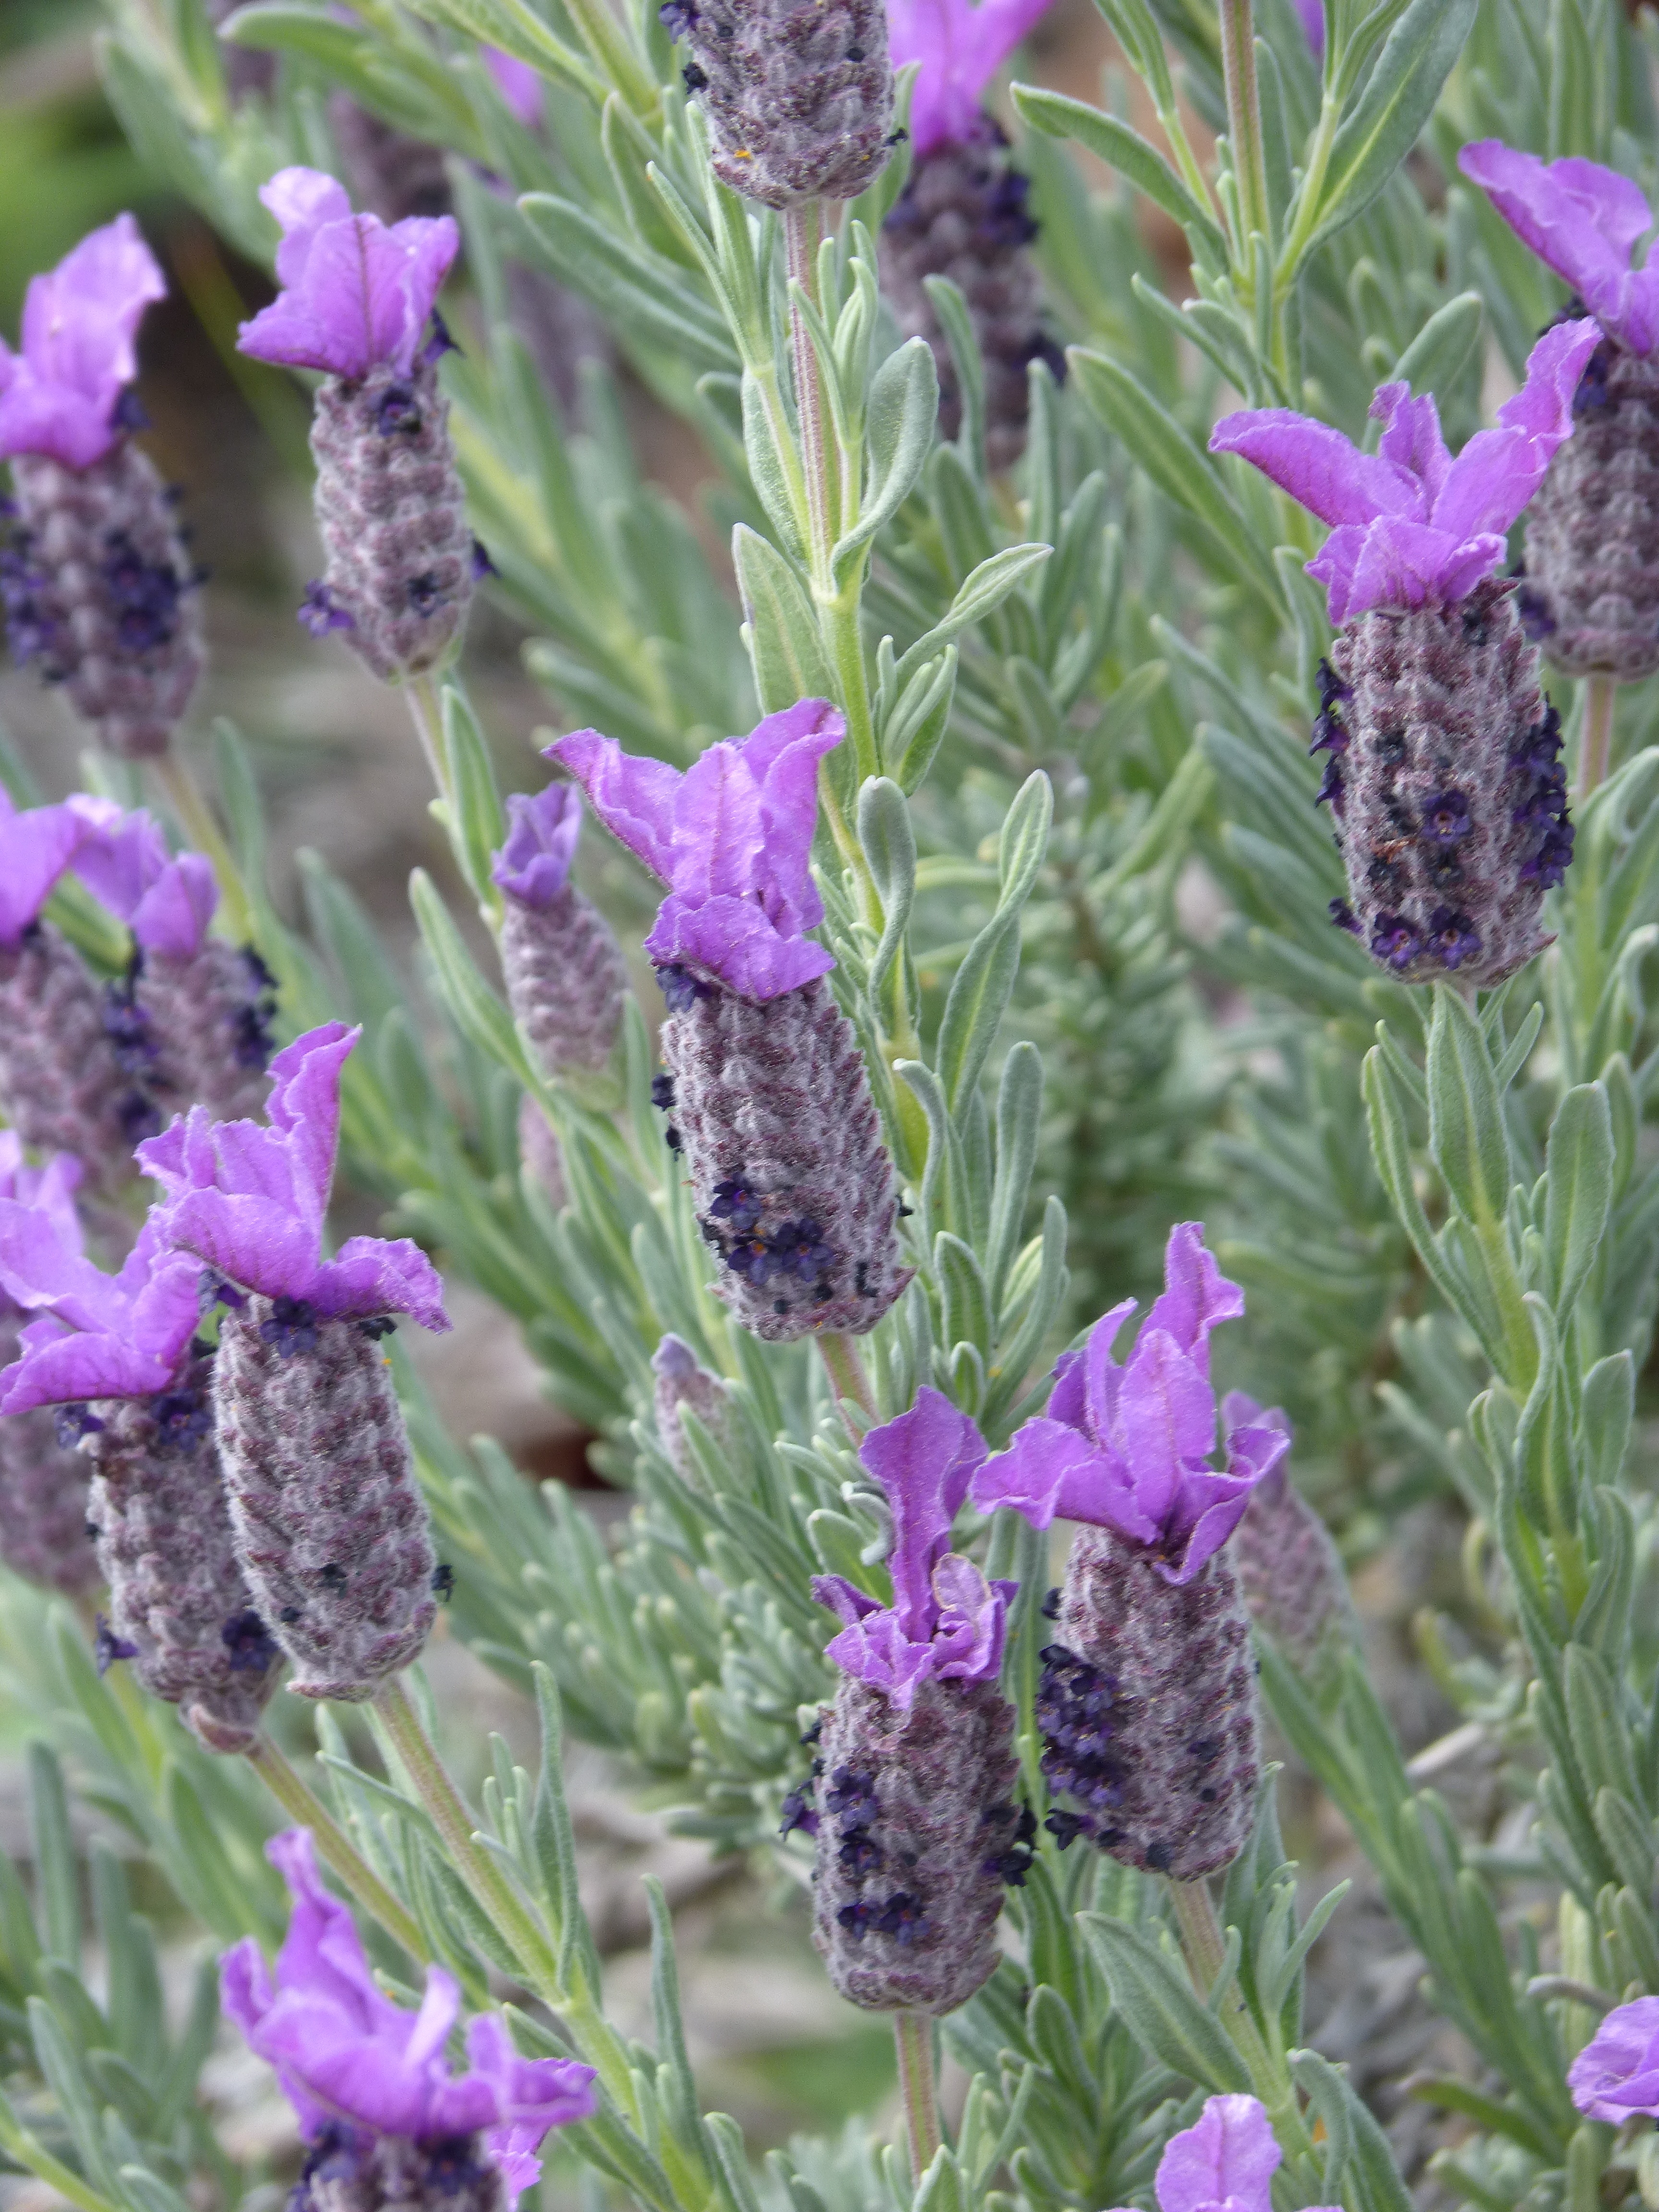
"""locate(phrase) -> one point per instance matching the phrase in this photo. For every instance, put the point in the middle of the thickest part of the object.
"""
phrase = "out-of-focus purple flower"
(519, 85)
(1410, 523)
(344, 2053)
(730, 838)
(36, 846)
(355, 293)
(59, 394)
(49, 1190)
(98, 1335)
(124, 863)
(1312, 12)
(1129, 1447)
(1225, 2162)
(1584, 221)
(961, 48)
(1616, 2074)
(533, 865)
(251, 1201)
(945, 1619)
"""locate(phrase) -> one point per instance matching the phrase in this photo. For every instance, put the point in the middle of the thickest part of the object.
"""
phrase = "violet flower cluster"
(357, 2067)
(946, 1622)
(958, 47)
(1584, 221)
(533, 865)
(1615, 2077)
(60, 394)
(96, 1335)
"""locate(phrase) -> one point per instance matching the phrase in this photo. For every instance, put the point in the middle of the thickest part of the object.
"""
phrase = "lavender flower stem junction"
(297, 1798)
(913, 2039)
(848, 1379)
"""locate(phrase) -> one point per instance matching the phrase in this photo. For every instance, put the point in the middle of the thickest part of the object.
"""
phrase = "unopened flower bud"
(798, 92)
(1289, 1568)
(566, 978)
(681, 1381)
(179, 1608)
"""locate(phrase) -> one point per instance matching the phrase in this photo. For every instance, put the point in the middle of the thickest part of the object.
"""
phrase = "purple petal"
(960, 48)
(1318, 465)
(972, 1621)
(356, 294)
(49, 1190)
(322, 1951)
(35, 848)
(877, 1650)
(1044, 1459)
(99, 1335)
(1197, 1297)
(1498, 470)
(380, 1275)
(844, 1599)
(1101, 1376)
(634, 799)
(1068, 1398)
(305, 1105)
(120, 855)
(719, 829)
(923, 1460)
(534, 864)
(1582, 220)
(57, 395)
(1411, 438)
(532, 2096)
(732, 938)
(1616, 2072)
(1229, 2156)
(1312, 12)
(173, 916)
(1399, 565)
(1165, 1421)
(520, 86)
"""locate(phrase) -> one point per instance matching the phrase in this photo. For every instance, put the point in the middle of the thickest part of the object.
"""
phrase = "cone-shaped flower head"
(1129, 1447)
(1616, 2075)
(1409, 525)
(1227, 2159)
(960, 47)
(36, 846)
(566, 978)
(946, 1622)
(356, 295)
(1584, 221)
(124, 863)
(251, 1201)
(357, 2067)
(680, 1381)
(97, 1335)
(60, 393)
(731, 837)
(533, 865)
(1289, 1568)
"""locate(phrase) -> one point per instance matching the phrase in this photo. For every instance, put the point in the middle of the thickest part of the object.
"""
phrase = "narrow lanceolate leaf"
(781, 630)
(981, 593)
(1580, 1192)
(1466, 1115)
(1124, 150)
(1157, 2001)
(903, 408)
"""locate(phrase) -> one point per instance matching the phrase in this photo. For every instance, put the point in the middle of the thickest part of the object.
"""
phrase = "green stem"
(200, 824)
(1595, 741)
(1244, 124)
(1308, 195)
(846, 1371)
(427, 715)
(16, 2139)
(913, 2035)
(802, 227)
(297, 1797)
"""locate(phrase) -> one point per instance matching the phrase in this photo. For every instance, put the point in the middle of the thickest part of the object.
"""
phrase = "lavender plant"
(1002, 943)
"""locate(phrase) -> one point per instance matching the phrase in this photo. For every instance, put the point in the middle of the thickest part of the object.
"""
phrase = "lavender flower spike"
(191, 1013)
(384, 2119)
(120, 1353)
(960, 47)
(1410, 525)
(1615, 2077)
(62, 1085)
(94, 575)
(356, 300)
(1147, 1700)
(330, 1527)
(43, 1484)
(918, 1829)
(1289, 1568)
(771, 1103)
(566, 978)
(1591, 594)
(1228, 2157)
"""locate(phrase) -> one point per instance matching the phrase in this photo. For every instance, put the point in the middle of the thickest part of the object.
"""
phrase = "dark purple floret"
(735, 1203)
(680, 987)
(377, 1326)
(693, 77)
(1446, 818)
(1050, 1607)
(1005, 219)
(29, 627)
(1066, 1827)
(1554, 857)
(1332, 787)
(1331, 686)
(1395, 941)
(426, 592)
(851, 1798)
(678, 17)
(319, 612)
(183, 1418)
(443, 1582)
(1328, 734)
(752, 1259)
(901, 1917)
(250, 1644)
(139, 1117)
(858, 1851)
(143, 595)
(441, 342)
(71, 1423)
(482, 566)
(128, 412)
(859, 1917)
(798, 1813)
(108, 1647)
(1535, 616)
(799, 1249)
(452, 2165)
(1592, 394)
(662, 1093)
(1073, 1709)
(1343, 915)
(397, 410)
(126, 1024)
(214, 1291)
(1452, 937)
(292, 1326)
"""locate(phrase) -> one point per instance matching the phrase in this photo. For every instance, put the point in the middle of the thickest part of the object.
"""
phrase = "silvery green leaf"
(1020, 1110)
(981, 593)
(890, 845)
(979, 995)
(1607, 1409)
(1126, 151)
(646, 297)
(520, 30)
(945, 1180)
(53, 1852)
(1436, 356)
(1157, 2001)
(772, 471)
(479, 827)
(951, 312)
(1013, 1361)
(477, 1012)
(1385, 118)
(781, 630)
(962, 1287)
(919, 720)
(1629, 1837)
(1466, 1133)
(1025, 840)
(1580, 1193)
(1391, 1150)
(902, 407)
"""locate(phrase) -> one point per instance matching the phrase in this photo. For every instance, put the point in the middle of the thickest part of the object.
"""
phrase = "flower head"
(730, 838)
(1616, 2074)
(534, 864)
(124, 861)
(36, 846)
(961, 48)
(1584, 221)
(58, 394)
(251, 1201)
(345, 2053)
(98, 1335)
(946, 1620)
(355, 293)
(1129, 1447)
(1225, 2162)
(1410, 523)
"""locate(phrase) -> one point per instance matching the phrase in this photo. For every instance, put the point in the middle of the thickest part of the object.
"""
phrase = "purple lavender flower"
(945, 1623)
(250, 1202)
(960, 47)
(36, 846)
(566, 978)
(1410, 525)
(1616, 2075)
(1584, 221)
(124, 861)
(43, 1481)
(1129, 1447)
(731, 837)
(1227, 2159)
(98, 1335)
(356, 295)
(59, 395)
(357, 2067)
(533, 865)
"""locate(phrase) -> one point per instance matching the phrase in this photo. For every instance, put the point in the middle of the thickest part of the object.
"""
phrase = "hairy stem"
(297, 1798)
(201, 826)
(913, 2035)
(1595, 743)
(840, 1358)
(802, 227)
(1244, 124)
(427, 717)
(1205, 1950)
